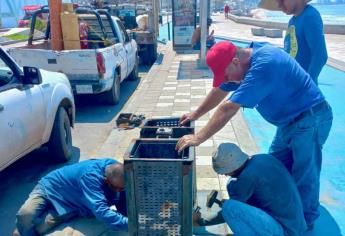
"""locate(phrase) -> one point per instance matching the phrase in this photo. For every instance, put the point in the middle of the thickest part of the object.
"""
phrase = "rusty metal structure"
(160, 183)
(159, 188)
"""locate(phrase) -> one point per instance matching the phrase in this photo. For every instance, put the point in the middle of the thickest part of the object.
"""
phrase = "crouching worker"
(92, 188)
(263, 196)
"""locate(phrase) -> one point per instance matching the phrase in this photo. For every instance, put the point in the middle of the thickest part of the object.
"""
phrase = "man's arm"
(95, 199)
(219, 119)
(196, 35)
(315, 38)
(213, 98)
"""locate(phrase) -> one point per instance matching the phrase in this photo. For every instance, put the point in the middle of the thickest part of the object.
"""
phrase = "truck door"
(128, 47)
(22, 117)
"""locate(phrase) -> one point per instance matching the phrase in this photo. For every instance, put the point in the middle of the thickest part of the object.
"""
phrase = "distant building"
(11, 11)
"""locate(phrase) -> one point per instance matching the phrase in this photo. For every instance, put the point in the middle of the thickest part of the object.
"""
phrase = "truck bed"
(74, 63)
(38, 44)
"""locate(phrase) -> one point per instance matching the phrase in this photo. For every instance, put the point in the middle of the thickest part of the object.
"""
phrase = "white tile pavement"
(170, 101)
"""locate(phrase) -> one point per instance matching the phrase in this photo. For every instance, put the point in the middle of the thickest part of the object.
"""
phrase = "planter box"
(274, 33)
(159, 188)
(258, 31)
(165, 128)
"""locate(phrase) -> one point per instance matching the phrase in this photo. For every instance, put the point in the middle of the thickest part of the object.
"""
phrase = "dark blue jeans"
(244, 219)
(299, 146)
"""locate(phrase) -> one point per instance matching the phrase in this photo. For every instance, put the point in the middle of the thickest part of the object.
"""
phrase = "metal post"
(203, 26)
(169, 38)
(55, 24)
(168, 30)
(155, 8)
(208, 8)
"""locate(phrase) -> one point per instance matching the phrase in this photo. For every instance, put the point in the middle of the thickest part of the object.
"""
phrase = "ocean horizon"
(331, 14)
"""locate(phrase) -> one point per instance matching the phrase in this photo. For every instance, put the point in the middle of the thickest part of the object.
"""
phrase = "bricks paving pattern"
(172, 88)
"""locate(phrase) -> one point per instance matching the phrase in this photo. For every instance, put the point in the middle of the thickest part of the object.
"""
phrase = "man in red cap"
(273, 83)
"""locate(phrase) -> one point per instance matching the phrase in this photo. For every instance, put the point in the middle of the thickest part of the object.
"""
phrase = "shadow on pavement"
(92, 108)
(159, 60)
(325, 225)
(19, 179)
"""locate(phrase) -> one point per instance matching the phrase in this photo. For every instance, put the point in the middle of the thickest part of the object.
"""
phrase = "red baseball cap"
(218, 59)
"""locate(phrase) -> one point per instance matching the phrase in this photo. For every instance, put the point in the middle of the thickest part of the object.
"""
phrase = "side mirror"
(32, 75)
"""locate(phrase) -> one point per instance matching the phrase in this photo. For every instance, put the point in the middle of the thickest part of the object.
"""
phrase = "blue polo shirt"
(305, 41)
(81, 188)
(266, 184)
(276, 85)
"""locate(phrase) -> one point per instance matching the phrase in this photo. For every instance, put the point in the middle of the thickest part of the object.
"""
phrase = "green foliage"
(17, 37)
(40, 25)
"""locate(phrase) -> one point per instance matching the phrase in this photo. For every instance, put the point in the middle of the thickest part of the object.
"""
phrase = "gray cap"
(227, 158)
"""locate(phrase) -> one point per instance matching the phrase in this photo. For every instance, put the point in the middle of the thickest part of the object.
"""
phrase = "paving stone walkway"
(175, 86)
(228, 28)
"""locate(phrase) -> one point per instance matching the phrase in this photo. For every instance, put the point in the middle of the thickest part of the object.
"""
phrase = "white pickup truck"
(36, 108)
(110, 58)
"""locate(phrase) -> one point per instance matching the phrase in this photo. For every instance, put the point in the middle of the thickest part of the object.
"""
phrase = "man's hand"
(187, 117)
(196, 218)
(187, 141)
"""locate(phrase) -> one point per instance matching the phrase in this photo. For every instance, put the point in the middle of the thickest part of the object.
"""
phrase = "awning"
(32, 8)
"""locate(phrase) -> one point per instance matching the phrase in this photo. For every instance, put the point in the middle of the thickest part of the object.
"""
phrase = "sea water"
(331, 14)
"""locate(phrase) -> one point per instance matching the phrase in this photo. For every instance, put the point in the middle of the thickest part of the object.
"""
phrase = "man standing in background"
(305, 40)
(226, 11)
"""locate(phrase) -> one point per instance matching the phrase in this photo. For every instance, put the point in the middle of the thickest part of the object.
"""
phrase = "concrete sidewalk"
(228, 28)
(175, 86)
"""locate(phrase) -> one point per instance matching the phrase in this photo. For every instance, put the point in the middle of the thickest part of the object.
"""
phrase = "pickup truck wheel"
(134, 75)
(60, 143)
(113, 95)
(152, 53)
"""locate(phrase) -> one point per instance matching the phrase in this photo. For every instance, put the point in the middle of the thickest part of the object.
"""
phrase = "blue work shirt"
(81, 188)
(305, 41)
(266, 184)
(276, 85)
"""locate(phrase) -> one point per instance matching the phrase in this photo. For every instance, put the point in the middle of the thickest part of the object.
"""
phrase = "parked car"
(36, 108)
(28, 11)
(146, 38)
(108, 58)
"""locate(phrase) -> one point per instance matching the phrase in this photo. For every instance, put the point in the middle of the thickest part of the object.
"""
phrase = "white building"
(11, 11)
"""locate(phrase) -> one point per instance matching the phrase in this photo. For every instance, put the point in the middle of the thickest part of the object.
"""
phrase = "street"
(94, 122)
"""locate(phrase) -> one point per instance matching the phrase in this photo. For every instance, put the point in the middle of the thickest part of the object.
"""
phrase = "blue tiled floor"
(332, 195)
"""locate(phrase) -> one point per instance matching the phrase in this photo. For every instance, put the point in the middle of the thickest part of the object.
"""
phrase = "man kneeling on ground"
(264, 198)
(86, 189)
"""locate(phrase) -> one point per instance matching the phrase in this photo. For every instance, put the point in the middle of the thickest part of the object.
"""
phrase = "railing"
(328, 28)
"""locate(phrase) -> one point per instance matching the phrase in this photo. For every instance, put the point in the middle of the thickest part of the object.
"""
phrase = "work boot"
(16, 233)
